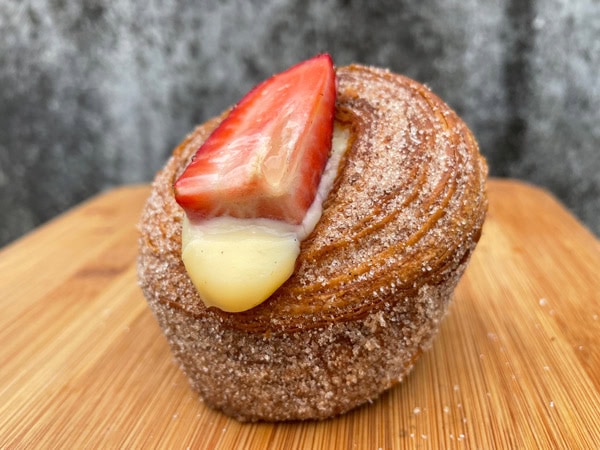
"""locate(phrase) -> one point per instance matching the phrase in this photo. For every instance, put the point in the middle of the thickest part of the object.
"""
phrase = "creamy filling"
(236, 264)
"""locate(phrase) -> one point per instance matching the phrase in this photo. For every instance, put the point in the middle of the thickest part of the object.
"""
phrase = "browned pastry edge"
(372, 281)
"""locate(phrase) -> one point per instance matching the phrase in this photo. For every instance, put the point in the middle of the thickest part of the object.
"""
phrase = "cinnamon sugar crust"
(372, 281)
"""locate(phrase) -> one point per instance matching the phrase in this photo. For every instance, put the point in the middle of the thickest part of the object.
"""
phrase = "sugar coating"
(372, 281)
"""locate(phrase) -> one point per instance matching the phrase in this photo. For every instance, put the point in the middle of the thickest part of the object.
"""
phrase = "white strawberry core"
(236, 264)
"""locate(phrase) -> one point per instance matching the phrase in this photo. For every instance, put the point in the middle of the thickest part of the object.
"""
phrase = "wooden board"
(516, 364)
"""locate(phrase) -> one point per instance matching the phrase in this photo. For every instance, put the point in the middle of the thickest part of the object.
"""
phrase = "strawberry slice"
(266, 158)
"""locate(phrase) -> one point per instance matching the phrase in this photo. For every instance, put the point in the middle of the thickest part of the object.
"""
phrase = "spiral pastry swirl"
(372, 281)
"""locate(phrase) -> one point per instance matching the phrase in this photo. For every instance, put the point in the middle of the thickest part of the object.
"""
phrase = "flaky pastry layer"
(372, 281)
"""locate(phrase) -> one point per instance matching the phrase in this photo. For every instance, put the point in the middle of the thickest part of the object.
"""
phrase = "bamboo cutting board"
(83, 363)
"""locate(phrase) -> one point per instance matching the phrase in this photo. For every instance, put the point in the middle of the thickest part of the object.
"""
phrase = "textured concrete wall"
(96, 93)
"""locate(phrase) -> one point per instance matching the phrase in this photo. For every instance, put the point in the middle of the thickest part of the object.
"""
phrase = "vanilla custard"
(236, 264)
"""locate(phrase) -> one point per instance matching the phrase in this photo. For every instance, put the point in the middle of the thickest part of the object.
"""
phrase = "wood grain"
(83, 363)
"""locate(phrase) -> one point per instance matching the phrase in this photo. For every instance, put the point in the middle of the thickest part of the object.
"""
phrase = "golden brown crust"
(396, 232)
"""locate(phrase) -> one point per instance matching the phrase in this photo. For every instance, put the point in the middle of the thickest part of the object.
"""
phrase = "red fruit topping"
(267, 156)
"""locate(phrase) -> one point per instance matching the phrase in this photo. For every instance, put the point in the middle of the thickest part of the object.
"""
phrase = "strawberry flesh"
(266, 158)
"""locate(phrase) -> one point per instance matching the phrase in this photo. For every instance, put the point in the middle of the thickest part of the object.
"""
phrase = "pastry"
(371, 282)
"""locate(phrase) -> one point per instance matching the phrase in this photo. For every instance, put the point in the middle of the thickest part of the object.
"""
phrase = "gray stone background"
(96, 93)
